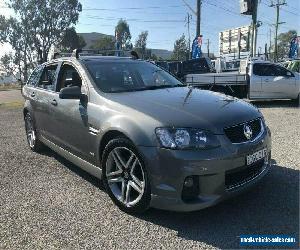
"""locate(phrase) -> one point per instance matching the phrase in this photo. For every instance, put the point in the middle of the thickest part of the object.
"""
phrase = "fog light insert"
(190, 189)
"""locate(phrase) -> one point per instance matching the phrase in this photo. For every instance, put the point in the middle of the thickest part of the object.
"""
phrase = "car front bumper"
(213, 169)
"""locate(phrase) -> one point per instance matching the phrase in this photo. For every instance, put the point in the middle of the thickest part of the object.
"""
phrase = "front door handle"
(267, 80)
(54, 102)
(32, 94)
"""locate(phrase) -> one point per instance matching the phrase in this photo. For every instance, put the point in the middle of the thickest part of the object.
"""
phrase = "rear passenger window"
(35, 76)
(258, 69)
(264, 70)
(48, 78)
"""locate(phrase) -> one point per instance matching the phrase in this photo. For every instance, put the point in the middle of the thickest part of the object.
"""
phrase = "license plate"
(258, 155)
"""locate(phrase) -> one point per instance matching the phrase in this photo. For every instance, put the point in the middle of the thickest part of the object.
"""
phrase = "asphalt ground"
(47, 202)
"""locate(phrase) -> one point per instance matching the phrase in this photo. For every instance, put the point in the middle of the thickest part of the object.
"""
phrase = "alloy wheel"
(30, 132)
(125, 176)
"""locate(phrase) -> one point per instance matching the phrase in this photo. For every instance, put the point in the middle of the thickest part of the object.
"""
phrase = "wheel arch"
(107, 137)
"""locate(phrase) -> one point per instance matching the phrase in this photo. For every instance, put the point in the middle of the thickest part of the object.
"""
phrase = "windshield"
(130, 76)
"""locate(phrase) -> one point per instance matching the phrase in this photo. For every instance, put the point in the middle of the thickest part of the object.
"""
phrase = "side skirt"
(86, 166)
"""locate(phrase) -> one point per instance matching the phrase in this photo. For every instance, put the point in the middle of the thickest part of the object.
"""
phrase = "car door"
(30, 89)
(42, 96)
(72, 130)
(255, 85)
(278, 82)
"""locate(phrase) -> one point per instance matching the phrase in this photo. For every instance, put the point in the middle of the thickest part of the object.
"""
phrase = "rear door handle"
(32, 94)
(54, 102)
(267, 80)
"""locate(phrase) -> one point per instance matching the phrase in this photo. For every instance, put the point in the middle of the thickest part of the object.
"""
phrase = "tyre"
(297, 100)
(125, 177)
(34, 143)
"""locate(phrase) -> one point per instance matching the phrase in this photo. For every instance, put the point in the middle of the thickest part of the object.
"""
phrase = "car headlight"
(183, 138)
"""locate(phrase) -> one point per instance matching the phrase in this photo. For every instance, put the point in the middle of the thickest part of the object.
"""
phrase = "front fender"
(139, 134)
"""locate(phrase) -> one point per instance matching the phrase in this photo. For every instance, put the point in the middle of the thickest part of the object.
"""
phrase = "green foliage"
(104, 43)
(283, 43)
(153, 57)
(71, 40)
(180, 51)
(141, 44)
(123, 35)
(10, 64)
(36, 27)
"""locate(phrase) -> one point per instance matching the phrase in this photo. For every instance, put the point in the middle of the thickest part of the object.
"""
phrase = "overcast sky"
(165, 19)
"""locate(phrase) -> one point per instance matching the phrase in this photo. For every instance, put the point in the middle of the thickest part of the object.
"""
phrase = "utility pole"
(270, 47)
(208, 47)
(188, 21)
(198, 29)
(254, 28)
(197, 13)
(277, 5)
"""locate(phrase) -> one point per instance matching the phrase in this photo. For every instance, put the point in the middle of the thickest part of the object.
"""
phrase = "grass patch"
(13, 105)
(9, 87)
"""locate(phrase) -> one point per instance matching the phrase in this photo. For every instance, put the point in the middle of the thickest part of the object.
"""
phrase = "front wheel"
(125, 176)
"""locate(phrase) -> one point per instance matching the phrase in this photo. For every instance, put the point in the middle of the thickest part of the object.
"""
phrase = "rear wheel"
(125, 176)
(297, 100)
(34, 143)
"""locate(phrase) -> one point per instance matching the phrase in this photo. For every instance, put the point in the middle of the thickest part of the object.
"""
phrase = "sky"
(165, 20)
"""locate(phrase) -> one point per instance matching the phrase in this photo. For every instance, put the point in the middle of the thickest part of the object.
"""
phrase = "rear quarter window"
(35, 76)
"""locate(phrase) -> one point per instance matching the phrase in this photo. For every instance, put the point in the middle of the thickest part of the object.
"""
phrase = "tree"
(284, 40)
(36, 27)
(180, 51)
(10, 63)
(104, 43)
(141, 43)
(71, 40)
(123, 35)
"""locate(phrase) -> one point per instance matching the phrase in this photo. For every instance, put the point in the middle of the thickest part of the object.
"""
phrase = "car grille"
(239, 176)
(236, 133)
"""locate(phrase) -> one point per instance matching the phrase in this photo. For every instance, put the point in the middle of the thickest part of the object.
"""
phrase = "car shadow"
(276, 104)
(83, 174)
(271, 207)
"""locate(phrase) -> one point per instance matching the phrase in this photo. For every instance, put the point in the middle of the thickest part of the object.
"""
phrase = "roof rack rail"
(95, 52)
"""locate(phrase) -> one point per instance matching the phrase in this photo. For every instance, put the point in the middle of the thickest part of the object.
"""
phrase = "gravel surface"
(47, 202)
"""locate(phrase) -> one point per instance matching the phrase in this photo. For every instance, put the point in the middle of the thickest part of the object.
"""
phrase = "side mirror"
(70, 93)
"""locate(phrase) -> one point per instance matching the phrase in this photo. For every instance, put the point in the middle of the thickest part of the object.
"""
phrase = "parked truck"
(256, 80)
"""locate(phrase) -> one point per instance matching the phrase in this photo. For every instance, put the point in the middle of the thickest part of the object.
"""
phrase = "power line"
(135, 19)
(277, 5)
(225, 9)
(189, 6)
(134, 8)
(288, 11)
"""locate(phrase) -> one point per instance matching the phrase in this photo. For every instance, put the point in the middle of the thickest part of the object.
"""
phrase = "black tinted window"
(280, 71)
(269, 70)
(35, 76)
(128, 76)
(48, 78)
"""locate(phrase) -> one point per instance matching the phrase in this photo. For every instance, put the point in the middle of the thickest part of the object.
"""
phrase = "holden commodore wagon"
(152, 140)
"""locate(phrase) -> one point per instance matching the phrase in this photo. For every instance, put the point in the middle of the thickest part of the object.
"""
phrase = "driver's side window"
(68, 77)
(280, 71)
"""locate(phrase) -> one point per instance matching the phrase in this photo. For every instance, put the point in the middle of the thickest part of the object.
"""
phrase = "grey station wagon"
(152, 140)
